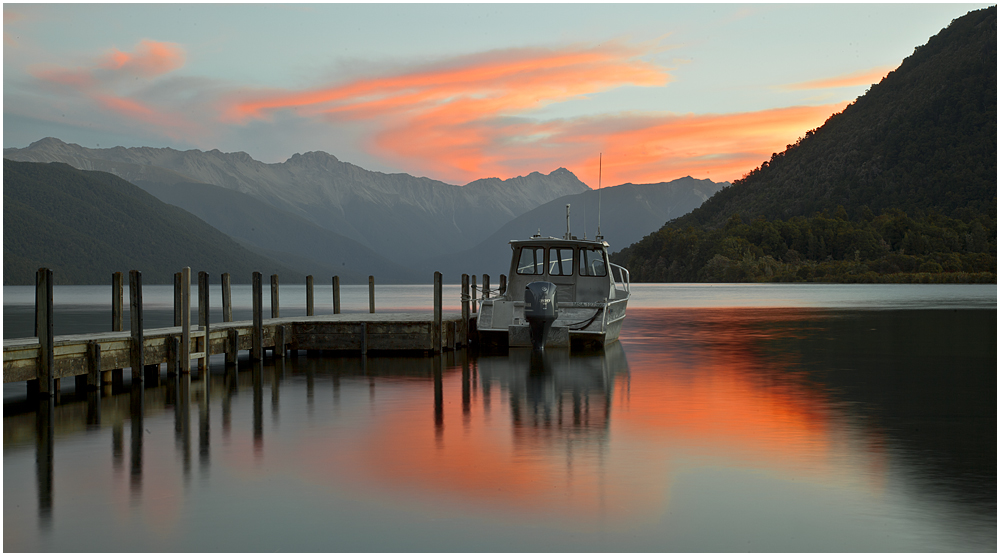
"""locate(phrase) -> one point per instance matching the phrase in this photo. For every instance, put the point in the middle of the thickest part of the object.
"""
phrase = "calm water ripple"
(726, 419)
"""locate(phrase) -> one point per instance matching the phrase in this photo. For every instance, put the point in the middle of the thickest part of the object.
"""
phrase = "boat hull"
(580, 326)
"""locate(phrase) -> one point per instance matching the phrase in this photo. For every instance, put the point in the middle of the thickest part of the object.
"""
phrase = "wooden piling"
(93, 365)
(232, 347)
(436, 336)
(310, 301)
(503, 284)
(177, 298)
(137, 359)
(486, 286)
(257, 350)
(336, 295)
(185, 358)
(280, 341)
(203, 319)
(43, 330)
(371, 294)
(117, 318)
(275, 304)
(227, 298)
(117, 302)
(465, 305)
(173, 356)
(475, 291)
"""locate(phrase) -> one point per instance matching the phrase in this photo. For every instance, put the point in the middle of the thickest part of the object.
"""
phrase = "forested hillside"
(900, 186)
(87, 225)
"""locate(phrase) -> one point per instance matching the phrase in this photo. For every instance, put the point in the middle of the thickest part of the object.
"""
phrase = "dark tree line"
(890, 247)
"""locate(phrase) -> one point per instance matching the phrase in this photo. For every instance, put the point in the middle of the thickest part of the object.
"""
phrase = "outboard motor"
(540, 311)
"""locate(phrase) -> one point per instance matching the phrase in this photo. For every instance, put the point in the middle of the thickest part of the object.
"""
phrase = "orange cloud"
(866, 77)
(150, 59)
(105, 83)
(518, 79)
(636, 147)
(472, 118)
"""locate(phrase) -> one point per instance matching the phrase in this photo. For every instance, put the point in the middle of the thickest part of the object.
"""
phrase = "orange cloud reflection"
(715, 396)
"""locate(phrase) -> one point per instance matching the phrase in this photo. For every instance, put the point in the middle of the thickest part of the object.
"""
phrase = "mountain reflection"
(787, 397)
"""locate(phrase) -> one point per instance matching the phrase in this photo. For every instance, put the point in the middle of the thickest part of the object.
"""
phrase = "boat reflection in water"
(556, 390)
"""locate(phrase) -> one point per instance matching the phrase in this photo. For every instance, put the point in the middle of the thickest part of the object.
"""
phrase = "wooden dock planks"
(339, 332)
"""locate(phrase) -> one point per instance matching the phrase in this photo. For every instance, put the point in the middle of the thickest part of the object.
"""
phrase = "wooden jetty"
(94, 358)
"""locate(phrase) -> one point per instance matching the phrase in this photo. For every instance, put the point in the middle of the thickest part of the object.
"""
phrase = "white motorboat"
(585, 310)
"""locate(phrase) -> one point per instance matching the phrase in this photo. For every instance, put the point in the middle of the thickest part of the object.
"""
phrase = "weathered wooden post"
(117, 302)
(185, 320)
(275, 306)
(465, 307)
(137, 359)
(371, 294)
(310, 302)
(203, 320)
(117, 320)
(227, 298)
(47, 384)
(93, 365)
(486, 286)
(232, 347)
(173, 356)
(475, 303)
(280, 340)
(336, 295)
(257, 349)
(437, 313)
(503, 284)
(177, 298)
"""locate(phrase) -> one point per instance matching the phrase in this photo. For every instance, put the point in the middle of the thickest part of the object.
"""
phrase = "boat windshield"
(531, 261)
(560, 261)
(592, 262)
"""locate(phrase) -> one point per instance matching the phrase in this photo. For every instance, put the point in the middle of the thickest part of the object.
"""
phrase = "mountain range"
(624, 213)
(318, 215)
(86, 225)
(399, 216)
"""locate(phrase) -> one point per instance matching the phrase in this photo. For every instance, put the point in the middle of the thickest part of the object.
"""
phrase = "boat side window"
(560, 261)
(531, 260)
(592, 262)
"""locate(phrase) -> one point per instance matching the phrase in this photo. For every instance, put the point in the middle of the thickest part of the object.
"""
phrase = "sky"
(615, 93)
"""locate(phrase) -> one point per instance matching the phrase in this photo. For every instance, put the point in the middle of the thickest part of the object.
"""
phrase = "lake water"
(776, 418)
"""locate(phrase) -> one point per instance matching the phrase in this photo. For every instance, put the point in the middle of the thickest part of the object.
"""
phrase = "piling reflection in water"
(44, 441)
(675, 417)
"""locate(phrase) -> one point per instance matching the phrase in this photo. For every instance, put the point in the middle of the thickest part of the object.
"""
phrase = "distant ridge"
(86, 225)
(629, 213)
(401, 217)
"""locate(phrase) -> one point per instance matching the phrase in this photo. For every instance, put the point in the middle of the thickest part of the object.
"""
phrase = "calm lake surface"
(776, 418)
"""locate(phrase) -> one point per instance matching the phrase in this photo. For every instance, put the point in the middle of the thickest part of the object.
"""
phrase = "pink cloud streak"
(101, 83)
(473, 118)
(865, 77)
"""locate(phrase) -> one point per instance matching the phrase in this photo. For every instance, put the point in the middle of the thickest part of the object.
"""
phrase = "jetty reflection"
(553, 396)
(556, 389)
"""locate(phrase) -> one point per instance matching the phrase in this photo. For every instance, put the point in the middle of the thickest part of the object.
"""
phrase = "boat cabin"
(579, 268)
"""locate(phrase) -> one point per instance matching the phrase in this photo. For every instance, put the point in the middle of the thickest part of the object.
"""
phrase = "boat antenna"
(599, 237)
(567, 236)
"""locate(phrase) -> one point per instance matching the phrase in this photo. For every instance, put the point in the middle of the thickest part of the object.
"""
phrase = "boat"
(561, 292)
